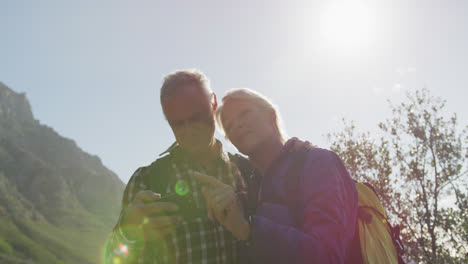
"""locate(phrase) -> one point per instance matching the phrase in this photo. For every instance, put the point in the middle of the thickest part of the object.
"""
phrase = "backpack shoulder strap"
(293, 182)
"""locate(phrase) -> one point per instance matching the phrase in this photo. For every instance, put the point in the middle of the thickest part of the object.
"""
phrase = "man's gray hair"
(175, 81)
(255, 98)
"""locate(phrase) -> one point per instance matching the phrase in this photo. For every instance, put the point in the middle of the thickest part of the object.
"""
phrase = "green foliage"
(418, 166)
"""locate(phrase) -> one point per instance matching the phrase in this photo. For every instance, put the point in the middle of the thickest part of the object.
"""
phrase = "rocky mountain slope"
(57, 202)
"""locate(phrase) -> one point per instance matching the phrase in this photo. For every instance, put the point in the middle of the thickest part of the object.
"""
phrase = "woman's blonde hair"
(257, 99)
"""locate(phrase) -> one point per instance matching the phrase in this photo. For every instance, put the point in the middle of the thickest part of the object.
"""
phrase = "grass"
(5, 247)
(45, 243)
(23, 246)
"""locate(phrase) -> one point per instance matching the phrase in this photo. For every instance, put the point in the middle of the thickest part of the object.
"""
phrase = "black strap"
(159, 173)
(293, 182)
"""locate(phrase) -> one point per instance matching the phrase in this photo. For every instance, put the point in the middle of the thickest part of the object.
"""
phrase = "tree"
(419, 169)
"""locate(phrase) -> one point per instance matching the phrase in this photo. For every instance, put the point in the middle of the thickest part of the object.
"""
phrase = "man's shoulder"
(161, 162)
(157, 165)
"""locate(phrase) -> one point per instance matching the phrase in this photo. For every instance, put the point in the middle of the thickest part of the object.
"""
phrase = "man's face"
(190, 115)
(246, 125)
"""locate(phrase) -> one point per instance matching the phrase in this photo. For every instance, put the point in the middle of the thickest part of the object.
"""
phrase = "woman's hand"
(222, 202)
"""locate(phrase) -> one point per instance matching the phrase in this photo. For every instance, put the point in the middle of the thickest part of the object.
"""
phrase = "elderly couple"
(289, 202)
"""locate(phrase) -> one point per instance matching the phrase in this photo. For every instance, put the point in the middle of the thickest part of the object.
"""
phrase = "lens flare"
(115, 252)
(116, 260)
(182, 187)
(123, 249)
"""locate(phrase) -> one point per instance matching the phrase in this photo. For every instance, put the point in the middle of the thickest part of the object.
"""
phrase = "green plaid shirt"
(196, 240)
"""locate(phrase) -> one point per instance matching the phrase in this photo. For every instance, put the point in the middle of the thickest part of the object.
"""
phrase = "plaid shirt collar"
(176, 148)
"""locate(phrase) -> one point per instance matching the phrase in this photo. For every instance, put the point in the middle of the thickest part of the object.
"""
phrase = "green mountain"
(57, 202)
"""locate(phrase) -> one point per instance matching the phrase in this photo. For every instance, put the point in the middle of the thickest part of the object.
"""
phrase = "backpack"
(379, 241)
(375, 240)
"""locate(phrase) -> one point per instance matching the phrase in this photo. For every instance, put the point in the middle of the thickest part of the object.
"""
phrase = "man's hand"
(222, 201)
(147, 212)
(298, 145)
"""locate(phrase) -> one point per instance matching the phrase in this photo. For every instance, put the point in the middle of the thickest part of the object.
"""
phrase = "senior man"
(163, 217)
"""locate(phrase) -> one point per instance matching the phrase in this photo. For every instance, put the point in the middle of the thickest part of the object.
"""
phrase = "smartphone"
(187, 207)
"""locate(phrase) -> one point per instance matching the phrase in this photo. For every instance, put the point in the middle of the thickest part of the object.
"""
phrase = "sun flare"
(346, 25)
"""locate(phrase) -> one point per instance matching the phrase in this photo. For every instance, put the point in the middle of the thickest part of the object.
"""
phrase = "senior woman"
(318, 226)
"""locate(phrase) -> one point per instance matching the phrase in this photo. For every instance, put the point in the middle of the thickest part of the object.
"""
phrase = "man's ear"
(214, 102)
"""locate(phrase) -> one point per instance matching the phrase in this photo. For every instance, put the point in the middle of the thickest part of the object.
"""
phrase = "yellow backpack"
(380, 242)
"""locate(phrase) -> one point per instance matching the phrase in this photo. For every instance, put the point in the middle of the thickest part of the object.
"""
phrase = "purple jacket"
(320, 227)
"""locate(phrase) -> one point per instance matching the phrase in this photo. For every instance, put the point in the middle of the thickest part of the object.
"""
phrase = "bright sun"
(346, 25)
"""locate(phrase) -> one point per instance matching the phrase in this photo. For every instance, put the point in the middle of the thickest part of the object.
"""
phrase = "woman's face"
(247, 125)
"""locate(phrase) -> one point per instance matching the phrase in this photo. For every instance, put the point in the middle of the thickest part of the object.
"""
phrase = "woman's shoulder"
(321, 156)
(325, 164)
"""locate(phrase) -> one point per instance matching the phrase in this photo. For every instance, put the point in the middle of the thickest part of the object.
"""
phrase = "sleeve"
(119, 245)
(328, 211)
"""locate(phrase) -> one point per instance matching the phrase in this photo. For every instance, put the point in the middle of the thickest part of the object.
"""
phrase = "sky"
(92, 69)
